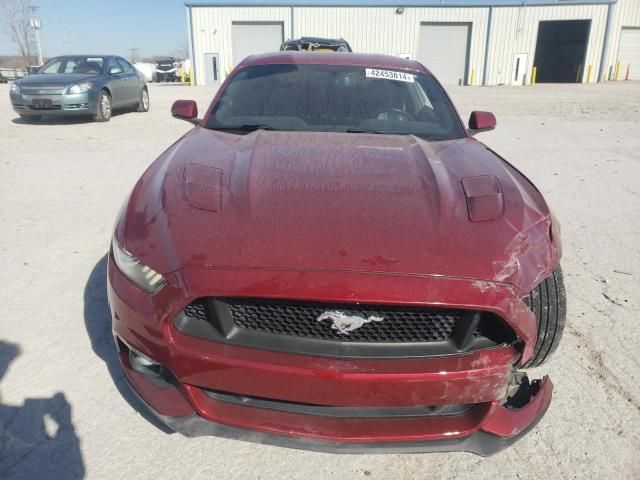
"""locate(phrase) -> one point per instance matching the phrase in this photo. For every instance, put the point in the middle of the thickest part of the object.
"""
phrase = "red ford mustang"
(330, 261)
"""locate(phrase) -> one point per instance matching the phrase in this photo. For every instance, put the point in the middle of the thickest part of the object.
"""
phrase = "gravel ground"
(65, 411)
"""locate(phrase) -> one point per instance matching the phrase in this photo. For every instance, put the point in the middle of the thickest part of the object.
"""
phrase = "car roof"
(334, 58)
(317, 39)
(320, 39)
(84, 55)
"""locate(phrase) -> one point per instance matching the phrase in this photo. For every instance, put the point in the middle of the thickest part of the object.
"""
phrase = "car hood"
(332, 201)
(54, 80)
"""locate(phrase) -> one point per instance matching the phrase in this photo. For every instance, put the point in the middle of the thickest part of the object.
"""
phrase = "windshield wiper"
(244, 127)
(363, 130)
(375, 132)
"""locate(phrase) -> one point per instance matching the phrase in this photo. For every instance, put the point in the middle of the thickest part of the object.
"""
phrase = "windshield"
(335, 98)
(73, 65)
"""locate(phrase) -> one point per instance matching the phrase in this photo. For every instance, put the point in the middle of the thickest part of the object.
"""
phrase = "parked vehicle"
(167, 70)
(329, 260)
(186, 68)
(11, 74)
(80, 85)
(316, 44)
(148, 70)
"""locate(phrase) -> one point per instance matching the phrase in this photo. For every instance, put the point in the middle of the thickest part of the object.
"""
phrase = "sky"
(155, 27)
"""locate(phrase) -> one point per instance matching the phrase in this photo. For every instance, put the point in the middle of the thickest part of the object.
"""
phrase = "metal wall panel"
(212, 32)
(629, 53)
(254, 38)
(625, 14)
(444, 47)
(515, 31)
(382, 30)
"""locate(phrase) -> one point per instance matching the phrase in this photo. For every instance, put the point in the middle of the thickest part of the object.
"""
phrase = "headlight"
(80, 88)
(15, 88)
(143, 276)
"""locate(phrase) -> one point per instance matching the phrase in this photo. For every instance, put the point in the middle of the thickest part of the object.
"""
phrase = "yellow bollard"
(617, 77)
(473, 77)
(191, 79)
(182, 75)
(589, 72)
(534, 75)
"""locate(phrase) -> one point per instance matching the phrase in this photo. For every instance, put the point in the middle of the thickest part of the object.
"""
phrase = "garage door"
(629, 53)
(444, 49)
(252, 38)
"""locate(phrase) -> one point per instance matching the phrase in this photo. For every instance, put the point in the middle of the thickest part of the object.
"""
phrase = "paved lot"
(65, 411)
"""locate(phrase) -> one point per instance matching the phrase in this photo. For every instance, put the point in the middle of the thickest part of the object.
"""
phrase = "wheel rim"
(145, 99)
(105, 106)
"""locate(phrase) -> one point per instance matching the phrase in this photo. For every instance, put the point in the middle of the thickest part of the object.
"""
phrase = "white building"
(470, 42)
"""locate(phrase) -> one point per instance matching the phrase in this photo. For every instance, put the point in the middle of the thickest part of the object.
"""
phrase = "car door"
(132, 81)
(116, 82)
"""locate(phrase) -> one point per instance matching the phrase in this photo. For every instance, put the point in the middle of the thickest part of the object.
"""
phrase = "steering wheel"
(406, 117)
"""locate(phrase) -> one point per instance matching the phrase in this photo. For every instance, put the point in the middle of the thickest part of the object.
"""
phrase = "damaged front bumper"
(483, 428)
(472, 402)
(485, 441)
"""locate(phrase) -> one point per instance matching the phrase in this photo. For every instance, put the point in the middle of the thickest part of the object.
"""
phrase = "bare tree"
(182, 51)
(17, 21)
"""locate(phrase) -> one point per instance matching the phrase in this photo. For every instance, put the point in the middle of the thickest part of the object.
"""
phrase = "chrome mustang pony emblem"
(344, 323)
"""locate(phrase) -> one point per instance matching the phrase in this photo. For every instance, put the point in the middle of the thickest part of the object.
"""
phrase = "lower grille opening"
(342, 329)
(159, 375)
(494, 328)
(338, 412)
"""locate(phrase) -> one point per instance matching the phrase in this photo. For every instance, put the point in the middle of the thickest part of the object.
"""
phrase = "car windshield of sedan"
(335, 98)
(73, 65)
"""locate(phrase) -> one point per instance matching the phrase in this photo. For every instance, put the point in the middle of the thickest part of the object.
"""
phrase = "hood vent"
(203, 187)
(484, 198)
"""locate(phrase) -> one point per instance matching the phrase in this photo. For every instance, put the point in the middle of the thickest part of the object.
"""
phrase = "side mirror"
(481, 122)
(115, 70)
(185, 110)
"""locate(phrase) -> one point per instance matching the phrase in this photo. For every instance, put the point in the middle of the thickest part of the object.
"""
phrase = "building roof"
(389, 3)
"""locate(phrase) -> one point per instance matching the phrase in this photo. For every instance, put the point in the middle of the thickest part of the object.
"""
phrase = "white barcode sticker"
(389, 75)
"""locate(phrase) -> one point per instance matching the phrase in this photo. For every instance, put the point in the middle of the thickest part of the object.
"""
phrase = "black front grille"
(42, 90)
(383, 331)
(197, 310)
(300, 319)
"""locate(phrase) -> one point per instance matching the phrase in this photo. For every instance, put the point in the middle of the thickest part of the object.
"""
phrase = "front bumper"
(199, 367)
(58, 104)
(480, 442)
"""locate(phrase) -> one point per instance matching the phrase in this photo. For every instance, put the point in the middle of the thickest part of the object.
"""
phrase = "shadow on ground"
(37, 438)
(67, 119)
(97, 321)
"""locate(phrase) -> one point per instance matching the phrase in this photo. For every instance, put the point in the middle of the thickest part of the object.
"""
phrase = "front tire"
(548, 301)
(104, 112)
(143, 104)
(30, 118)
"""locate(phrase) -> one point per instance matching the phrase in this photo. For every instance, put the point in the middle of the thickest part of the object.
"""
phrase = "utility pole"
(36, 26)
(134, 54)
